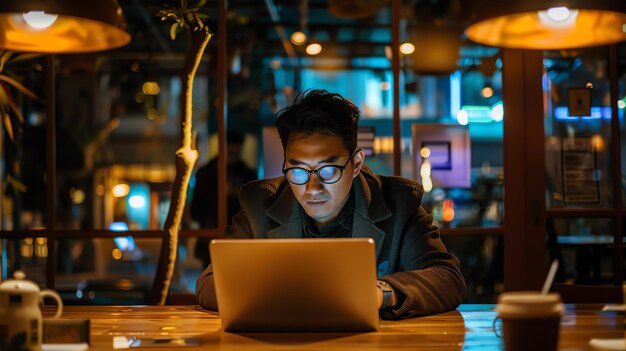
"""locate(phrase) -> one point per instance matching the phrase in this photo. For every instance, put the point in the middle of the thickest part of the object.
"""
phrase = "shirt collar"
(342, 222)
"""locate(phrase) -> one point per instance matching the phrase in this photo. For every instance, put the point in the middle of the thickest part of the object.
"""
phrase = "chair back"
(571, 293)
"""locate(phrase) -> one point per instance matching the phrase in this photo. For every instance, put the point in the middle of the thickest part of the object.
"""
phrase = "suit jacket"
(409, 253)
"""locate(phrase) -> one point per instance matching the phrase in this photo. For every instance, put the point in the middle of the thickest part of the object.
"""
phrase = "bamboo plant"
(12, 118)
(189, 19)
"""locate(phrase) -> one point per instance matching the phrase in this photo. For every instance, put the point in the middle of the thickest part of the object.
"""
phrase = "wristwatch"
(387, 290)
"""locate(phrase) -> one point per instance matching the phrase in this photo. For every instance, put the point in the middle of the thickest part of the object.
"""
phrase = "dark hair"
(318, 111)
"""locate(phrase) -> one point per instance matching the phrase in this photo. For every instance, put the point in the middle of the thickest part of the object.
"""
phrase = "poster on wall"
(580, 184)
(449, 154)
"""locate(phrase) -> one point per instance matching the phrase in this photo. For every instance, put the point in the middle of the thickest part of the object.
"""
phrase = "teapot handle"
(56, 297)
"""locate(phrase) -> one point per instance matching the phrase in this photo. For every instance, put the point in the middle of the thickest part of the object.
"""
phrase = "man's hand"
(379, 296)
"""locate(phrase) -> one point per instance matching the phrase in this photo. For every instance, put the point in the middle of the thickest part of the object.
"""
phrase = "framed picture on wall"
(447, 149)
(579, 170)
(579, 101)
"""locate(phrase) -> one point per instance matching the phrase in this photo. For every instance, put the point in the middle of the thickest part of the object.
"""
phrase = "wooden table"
(468, 328)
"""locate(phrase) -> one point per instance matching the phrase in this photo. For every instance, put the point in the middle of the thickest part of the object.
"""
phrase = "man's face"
(321, 201)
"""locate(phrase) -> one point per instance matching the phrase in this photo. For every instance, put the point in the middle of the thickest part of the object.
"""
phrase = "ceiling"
(259, 29)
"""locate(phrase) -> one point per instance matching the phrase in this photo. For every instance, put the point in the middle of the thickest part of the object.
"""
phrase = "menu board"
(580, 184)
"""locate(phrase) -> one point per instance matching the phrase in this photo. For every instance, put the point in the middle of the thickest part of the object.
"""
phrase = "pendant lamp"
(61, 26)
(548, 24)
(436, 49)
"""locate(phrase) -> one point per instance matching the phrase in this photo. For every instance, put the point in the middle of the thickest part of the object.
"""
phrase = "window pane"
(102, 271)
(482, 258)
(577, 127)
(28, 255)
(584, 247)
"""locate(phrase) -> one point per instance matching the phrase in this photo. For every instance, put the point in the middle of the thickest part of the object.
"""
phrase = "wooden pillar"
(616, 153)
(525, 254)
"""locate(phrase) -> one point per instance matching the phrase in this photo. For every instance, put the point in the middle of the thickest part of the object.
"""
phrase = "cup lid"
(529, 303)
(529, 297)
(18, 284)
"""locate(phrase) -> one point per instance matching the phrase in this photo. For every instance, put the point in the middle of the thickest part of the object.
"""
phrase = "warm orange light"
(298, 38)
(65, 35)
(150, 88)
(116, 254)
(597, 141)
(407, 48)
(314, 49)
(77, 196)
(62, 26)
(427, 184)
(486, 92)
(553, 28)
(120, 190)
(426, 169)
(436, 49)
(448, 210)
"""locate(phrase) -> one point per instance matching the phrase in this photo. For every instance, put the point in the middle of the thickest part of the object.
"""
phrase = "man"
(328, 192)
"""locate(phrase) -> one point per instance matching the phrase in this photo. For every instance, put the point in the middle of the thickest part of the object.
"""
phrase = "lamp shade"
(548, 24)
(436, 49)
(64, 26)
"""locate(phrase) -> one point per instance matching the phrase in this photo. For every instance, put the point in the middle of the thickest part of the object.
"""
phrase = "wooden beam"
(525, 256)
(618, 235)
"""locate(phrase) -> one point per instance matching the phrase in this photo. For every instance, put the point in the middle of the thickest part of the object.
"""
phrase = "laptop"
(310, 285)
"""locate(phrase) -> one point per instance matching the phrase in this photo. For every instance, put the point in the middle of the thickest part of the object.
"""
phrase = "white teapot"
(20, 316)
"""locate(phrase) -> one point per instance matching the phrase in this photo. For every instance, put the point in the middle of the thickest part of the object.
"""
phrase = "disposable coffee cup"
(530, 320)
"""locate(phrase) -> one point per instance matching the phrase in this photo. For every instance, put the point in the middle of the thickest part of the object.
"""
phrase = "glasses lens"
(298, 176)
(329, 174)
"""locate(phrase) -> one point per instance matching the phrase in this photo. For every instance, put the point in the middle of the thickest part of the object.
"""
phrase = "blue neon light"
(604, 112)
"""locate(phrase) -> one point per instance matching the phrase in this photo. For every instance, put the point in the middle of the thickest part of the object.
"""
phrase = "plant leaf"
(16, 183)
(201, 3)
(13, 105)
(17, 85)
(8, 126)
(3, 96)
(24, 57)
(4, 58)
(174, 29)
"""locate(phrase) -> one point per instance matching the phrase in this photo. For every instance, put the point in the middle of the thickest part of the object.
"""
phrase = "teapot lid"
(18, 284)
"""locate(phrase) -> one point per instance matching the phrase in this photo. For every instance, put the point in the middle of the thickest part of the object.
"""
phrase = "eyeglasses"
(326, 174)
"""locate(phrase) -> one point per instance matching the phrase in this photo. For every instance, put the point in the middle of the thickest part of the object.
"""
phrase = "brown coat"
(409, 253)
